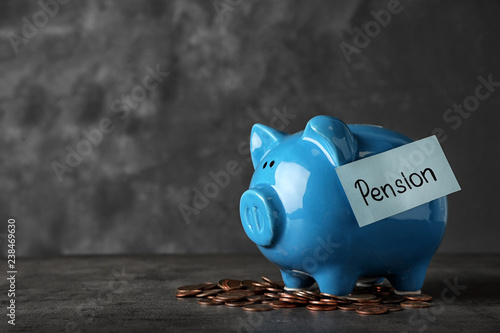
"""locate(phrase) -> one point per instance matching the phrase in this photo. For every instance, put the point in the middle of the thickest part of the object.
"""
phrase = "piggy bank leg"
(295, 280)
(336, 281)
(410, 280)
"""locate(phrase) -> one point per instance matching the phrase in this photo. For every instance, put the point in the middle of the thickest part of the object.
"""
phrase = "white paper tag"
(397, 180)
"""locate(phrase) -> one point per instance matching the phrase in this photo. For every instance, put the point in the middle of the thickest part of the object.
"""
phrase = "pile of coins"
(268, 295)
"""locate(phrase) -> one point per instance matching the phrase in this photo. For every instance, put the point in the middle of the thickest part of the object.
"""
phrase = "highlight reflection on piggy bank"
(297, 213)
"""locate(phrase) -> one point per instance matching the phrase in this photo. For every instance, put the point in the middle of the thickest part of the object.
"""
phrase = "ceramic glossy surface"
(297, 213)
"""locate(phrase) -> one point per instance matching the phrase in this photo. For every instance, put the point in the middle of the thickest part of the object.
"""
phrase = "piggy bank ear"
(333, 138)
(262, 139)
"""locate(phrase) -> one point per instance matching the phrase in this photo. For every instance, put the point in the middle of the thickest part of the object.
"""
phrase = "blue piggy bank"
(297, 213)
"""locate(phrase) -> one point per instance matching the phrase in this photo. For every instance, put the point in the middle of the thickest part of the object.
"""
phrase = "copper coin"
(321, 302)
(312, 293)
(188, 293)
(257, 298)
(306, 295)
(258, 290)
(257, 307)
(421, 297)
(415, 304)
(190, 287)
(371, 309)
(240, 291)
(293, 300)
(249, 283)
(208, 285)
(393, 299)
(218, 301)
(293, 296)
(328, 301)
(281, 304)
(365, 303)
(231, 296)
(361, 297)
(272, 295)
(393, 307)
(210, 292)
(370, 301)
(341, 301)
(206, 301)
(271, 282)
(314, 307)
(216, 298)
(267, 301)
(328, 295)
(273, 289)
(228, 284)
(347, 307)
(238, 303)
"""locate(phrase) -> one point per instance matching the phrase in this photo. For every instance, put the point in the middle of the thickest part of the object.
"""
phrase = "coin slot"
(253, 218)
(257, 217)
(249, 217)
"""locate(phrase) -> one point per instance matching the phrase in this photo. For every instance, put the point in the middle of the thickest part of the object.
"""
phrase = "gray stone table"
(136, 294)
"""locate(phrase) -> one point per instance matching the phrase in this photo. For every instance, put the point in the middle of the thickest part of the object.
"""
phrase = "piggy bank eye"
(264, 166)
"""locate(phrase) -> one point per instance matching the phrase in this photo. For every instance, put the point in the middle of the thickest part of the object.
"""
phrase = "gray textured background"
(259, 59)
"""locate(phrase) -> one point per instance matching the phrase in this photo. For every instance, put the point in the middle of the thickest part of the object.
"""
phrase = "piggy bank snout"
(259, 215)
